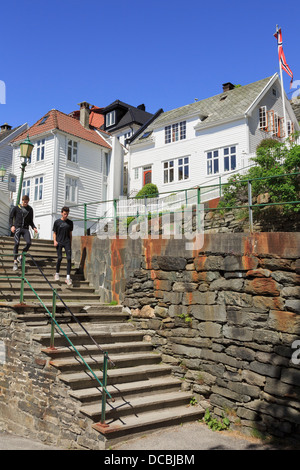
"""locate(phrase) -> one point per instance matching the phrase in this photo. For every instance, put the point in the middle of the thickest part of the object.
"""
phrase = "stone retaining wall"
(229, 323)
(225, 316)
(33, 402)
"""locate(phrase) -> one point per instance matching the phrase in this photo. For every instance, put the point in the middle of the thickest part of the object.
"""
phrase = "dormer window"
(110, 119)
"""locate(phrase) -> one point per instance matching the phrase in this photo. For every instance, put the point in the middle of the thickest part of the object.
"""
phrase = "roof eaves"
(261, 94)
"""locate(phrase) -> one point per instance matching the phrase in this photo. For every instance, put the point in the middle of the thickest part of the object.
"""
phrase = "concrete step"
(69, 295)
(127, 390)
(121, 407)
(90, 349)
(136, 425)
(80, 380)
(74, 364)
(66, 317)
(106, 334)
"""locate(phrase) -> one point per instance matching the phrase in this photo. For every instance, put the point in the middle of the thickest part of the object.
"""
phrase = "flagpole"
(282, 93)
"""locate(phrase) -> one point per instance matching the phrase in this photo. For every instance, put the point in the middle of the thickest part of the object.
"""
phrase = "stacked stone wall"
(33, 401)
(229, 323)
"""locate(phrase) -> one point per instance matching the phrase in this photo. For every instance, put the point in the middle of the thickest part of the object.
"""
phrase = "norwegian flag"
(282, 60)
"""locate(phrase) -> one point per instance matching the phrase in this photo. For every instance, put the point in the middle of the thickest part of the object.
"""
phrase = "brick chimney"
(84, 114)
(5, 127)
(227, 86)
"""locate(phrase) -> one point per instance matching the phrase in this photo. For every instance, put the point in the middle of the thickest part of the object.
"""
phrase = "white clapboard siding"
(4, 213)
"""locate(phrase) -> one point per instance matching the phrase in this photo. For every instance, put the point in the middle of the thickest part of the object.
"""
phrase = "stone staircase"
(146, 395)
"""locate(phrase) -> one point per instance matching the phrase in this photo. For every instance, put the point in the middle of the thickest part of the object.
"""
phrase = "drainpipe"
(55, 175)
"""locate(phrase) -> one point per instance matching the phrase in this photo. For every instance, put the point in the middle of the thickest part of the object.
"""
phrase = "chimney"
(5, 127)
(228, 86)
(84, 114)
(142, 107)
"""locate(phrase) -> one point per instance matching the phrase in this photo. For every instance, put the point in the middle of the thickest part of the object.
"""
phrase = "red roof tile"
(55, 119)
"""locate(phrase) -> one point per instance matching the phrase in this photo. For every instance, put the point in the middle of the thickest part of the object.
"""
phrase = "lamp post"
(2, 173)
(25, 148)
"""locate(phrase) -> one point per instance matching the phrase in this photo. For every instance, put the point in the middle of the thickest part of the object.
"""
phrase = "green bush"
(149, 190)
(272, 158)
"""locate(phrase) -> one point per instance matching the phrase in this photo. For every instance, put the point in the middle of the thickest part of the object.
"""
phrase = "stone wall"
(33, 402)
(229, 323)
(225, 316)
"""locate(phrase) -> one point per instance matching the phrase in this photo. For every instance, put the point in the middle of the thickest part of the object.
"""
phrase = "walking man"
(62, 237)
(20, 219)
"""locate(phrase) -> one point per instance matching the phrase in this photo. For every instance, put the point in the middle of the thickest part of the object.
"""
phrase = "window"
(229, 158)
(136, 173)
(26, 188)
(290, 127)
(72, 154)
(44, 120)
(175, 132)
(169, 171)
(110, 118)
(213, 162)
(71, 189)
(38, 188)
(40, 150)
(183, 168)
(263, 117)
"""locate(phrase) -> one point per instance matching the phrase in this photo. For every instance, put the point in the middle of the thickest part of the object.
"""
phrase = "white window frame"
(26, 187)
(71, 189)
(184, 164)
(40, 150)
(136, 173)
(72, 151)
(38, 188)
(175, 132)
(263, 120)
(176, 170)
(110, 118)
(230, 154)
(213, 158)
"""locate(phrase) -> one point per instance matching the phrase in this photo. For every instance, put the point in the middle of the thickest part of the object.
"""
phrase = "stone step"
(68, 365)
(130, 389)
(69, 295)
(113, 348)
(67, 317)
(137, 425)
(79, 380)
(122, 408)
(116, 333)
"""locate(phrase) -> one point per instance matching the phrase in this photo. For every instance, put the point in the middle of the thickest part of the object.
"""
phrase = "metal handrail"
(106, 359)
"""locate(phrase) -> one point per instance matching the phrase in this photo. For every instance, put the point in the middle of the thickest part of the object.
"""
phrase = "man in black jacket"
(20, 219)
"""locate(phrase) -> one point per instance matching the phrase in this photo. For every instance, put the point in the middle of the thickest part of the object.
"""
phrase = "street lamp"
(2, 173)
(25, 148)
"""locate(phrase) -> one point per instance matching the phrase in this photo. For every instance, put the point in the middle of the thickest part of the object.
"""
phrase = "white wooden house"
(71, 164)
(7, 134)
(202, 142)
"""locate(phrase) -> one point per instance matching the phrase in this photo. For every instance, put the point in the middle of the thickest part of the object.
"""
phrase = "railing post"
(250, 206)
(22, 278)
(53, 318)
(104, 382)
(115, 216)
(85, 218)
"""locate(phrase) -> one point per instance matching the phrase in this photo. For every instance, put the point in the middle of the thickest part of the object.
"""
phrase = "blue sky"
(163, 53)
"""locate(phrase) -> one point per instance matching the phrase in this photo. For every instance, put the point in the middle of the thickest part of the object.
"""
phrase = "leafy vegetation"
(216, 424)
(272, 159)
(149, 190)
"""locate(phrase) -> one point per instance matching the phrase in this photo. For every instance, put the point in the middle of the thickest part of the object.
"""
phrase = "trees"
(272, 159)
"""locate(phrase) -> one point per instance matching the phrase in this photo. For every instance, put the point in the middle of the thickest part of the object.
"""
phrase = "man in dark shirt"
(20, 219)
(62, 237)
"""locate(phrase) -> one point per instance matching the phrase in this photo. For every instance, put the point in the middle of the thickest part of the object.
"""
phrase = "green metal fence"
(166, 202)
